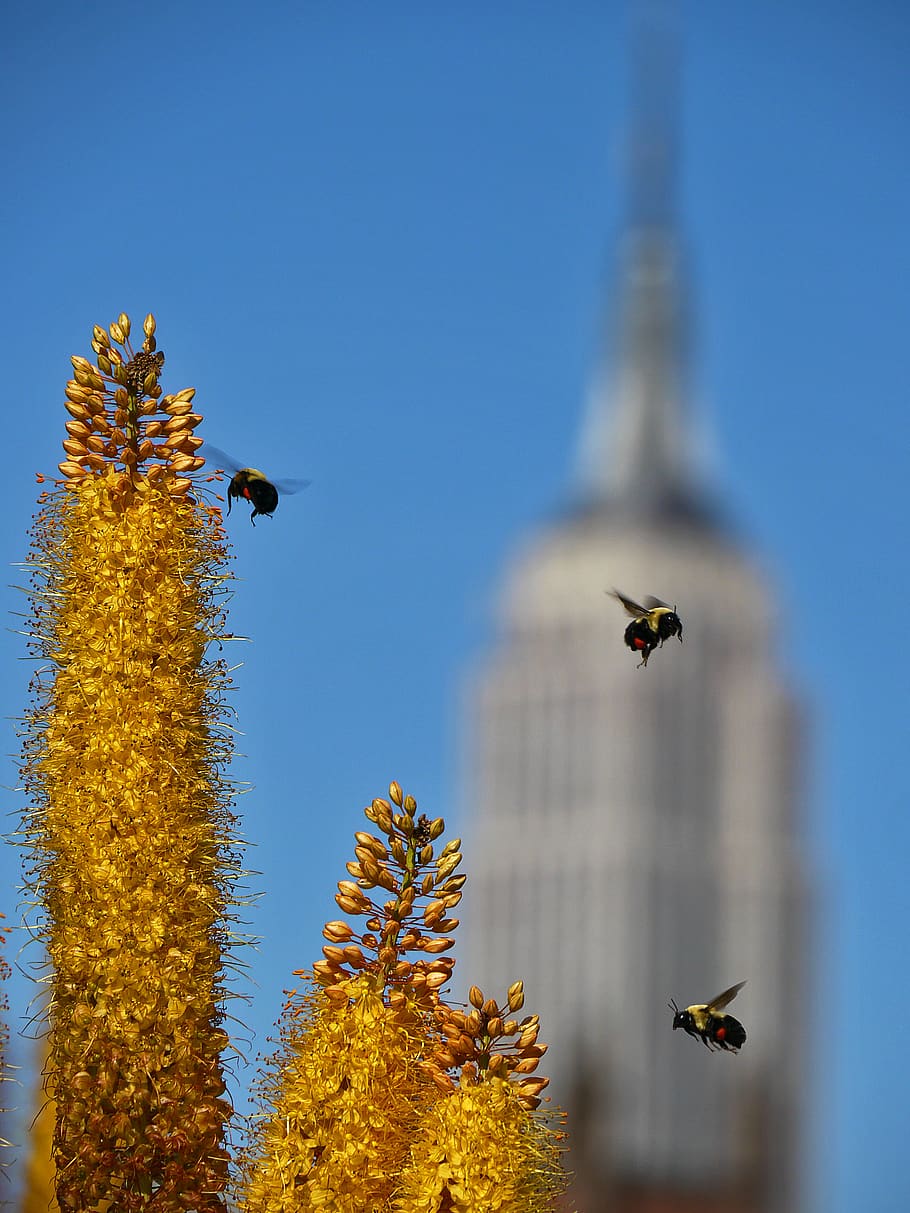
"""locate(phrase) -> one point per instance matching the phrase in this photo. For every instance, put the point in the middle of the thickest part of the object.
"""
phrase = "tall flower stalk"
(133, 862)
(384, 1097)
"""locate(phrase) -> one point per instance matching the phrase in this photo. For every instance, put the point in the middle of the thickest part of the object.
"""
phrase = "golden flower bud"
(475, 997)
(395, 792)
(76, 392)
(516, 995)
(100, 335)
(496, 1062)
(71, 469)
(148, 325)
(176, 424)
(74, 447)
(368, 840)
(466, 1045)
(387, 881)
(444, 1082)
(434, 946)
(348, 904)
(336, 994)
(183, 463)
(490, 1007)
(527, 1065)
(78, 429)
(534, 1051)
(104, 364)
(410, 805)
(338, 931)
(124, 321)
(179, 486)
(96, 462)
(117, 333)
(437, 826)
(79, 411)
(494, 1027)
(435, 980)
(532, 1086)
(447, 865)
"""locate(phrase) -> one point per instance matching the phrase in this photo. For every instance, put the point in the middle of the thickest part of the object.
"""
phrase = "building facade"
(634, 833)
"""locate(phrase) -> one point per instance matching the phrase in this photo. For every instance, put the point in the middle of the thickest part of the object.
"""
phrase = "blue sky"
(378, 240)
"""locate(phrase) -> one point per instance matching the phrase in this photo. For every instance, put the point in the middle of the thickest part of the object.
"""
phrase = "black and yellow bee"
(253, 486)
(651, 625)
(704, 1021)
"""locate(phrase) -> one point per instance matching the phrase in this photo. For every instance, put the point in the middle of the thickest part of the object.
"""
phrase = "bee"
(704, 1021)
(253, 486)
(651, 625)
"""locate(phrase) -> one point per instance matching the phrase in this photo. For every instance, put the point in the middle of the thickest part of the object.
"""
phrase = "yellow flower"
(344, 1099)
(362, 1113)
(130, 828)
(481, 1150)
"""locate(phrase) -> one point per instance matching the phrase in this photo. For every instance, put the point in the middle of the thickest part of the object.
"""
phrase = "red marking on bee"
(720, 1033)
(639, 643)
(246, 492)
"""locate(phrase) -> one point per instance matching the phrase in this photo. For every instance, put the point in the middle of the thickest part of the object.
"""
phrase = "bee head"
(674, 624)
(679, 1017)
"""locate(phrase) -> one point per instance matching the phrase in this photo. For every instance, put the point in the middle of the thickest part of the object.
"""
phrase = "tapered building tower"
(635, 832)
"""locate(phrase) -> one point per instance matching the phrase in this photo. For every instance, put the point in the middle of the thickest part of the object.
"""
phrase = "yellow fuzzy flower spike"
(480, 1150)
(129, 825)
(361, 1112)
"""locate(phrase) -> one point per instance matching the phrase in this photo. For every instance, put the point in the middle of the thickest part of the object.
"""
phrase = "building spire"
(637, 445)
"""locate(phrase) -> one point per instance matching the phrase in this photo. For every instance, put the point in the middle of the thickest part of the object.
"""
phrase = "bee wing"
(632, 608)
(291, 486)
(651, 602)
(218, 459)
(718, 1003)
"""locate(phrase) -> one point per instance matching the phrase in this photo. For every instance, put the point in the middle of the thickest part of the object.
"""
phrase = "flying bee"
(252, 485)
(651, 625)
(704, 1021)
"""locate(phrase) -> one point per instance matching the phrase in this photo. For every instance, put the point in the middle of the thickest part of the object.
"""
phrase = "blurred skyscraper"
(635, 833)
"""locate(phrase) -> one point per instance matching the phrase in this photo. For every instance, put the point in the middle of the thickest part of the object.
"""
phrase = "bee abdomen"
(728, 1032)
